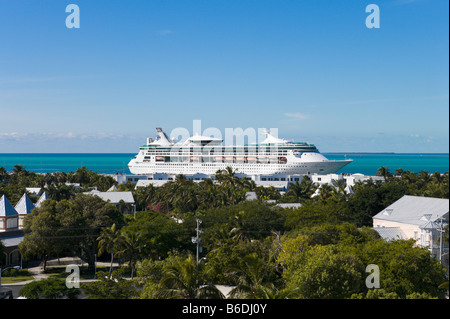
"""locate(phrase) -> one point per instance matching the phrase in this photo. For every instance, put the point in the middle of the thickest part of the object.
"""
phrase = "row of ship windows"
(217, 154)
(223, 165)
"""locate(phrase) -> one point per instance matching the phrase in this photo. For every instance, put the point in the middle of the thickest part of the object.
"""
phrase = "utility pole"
(196, 240)
(440, 242)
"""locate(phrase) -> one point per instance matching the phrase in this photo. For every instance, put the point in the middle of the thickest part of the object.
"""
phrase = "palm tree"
(182, 280)
(144, 196)
(181, 178)
(249, 184)
(3, 174)
(339, 189)
(131, 247)
(384, 171)
(249, 277)
(302, 190)
(124, 207)
(270, 291)
(240, 231)
(267, 193)
(399, 172)
(230, 183)
(437, 177)
(409, 177)
(107, 242)
(424, 176)
(18, 169)
(325, 192)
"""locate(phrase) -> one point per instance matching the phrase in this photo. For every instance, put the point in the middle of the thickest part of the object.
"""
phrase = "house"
(416, 217)
(10, 234)
(251, 196)
(116, 198)
(34, 190)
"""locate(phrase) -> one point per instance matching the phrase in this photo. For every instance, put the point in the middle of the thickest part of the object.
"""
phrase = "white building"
(420, 218)
(278, 181)
(350, 179)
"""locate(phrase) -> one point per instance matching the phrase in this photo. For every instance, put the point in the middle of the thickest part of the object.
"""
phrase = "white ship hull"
(321, 168)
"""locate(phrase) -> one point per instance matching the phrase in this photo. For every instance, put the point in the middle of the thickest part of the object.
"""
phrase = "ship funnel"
(163, 138)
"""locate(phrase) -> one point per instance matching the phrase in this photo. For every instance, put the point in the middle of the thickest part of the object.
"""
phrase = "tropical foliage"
(318, 250)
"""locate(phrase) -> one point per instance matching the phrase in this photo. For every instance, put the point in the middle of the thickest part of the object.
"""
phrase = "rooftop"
(415, 210)
(6, 209)
(114, 197)
(390, 233)
(24, 206)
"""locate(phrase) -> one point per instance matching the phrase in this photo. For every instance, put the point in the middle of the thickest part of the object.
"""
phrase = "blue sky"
(312, 69)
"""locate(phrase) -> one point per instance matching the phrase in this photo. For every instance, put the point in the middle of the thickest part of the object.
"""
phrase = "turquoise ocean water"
(364, 163)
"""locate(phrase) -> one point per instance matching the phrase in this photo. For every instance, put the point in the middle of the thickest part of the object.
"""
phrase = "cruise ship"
(206, 155)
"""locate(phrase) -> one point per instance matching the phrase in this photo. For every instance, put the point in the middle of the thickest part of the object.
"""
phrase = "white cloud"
(164, 32)
(297, 116)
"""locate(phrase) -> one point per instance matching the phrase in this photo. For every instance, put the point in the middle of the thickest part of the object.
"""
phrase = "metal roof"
(12, 241)
(6, 209)
(43, 197)
(415, 210)
(114, 197)
(390, 233)
(24, 206)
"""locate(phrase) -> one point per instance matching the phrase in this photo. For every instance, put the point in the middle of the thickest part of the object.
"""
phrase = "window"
(11, 222)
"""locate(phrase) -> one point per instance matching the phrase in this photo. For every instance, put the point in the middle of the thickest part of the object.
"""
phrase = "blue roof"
(6, 209)
(12, 241)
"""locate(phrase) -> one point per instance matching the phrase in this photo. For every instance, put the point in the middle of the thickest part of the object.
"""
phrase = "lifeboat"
(263, 160)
